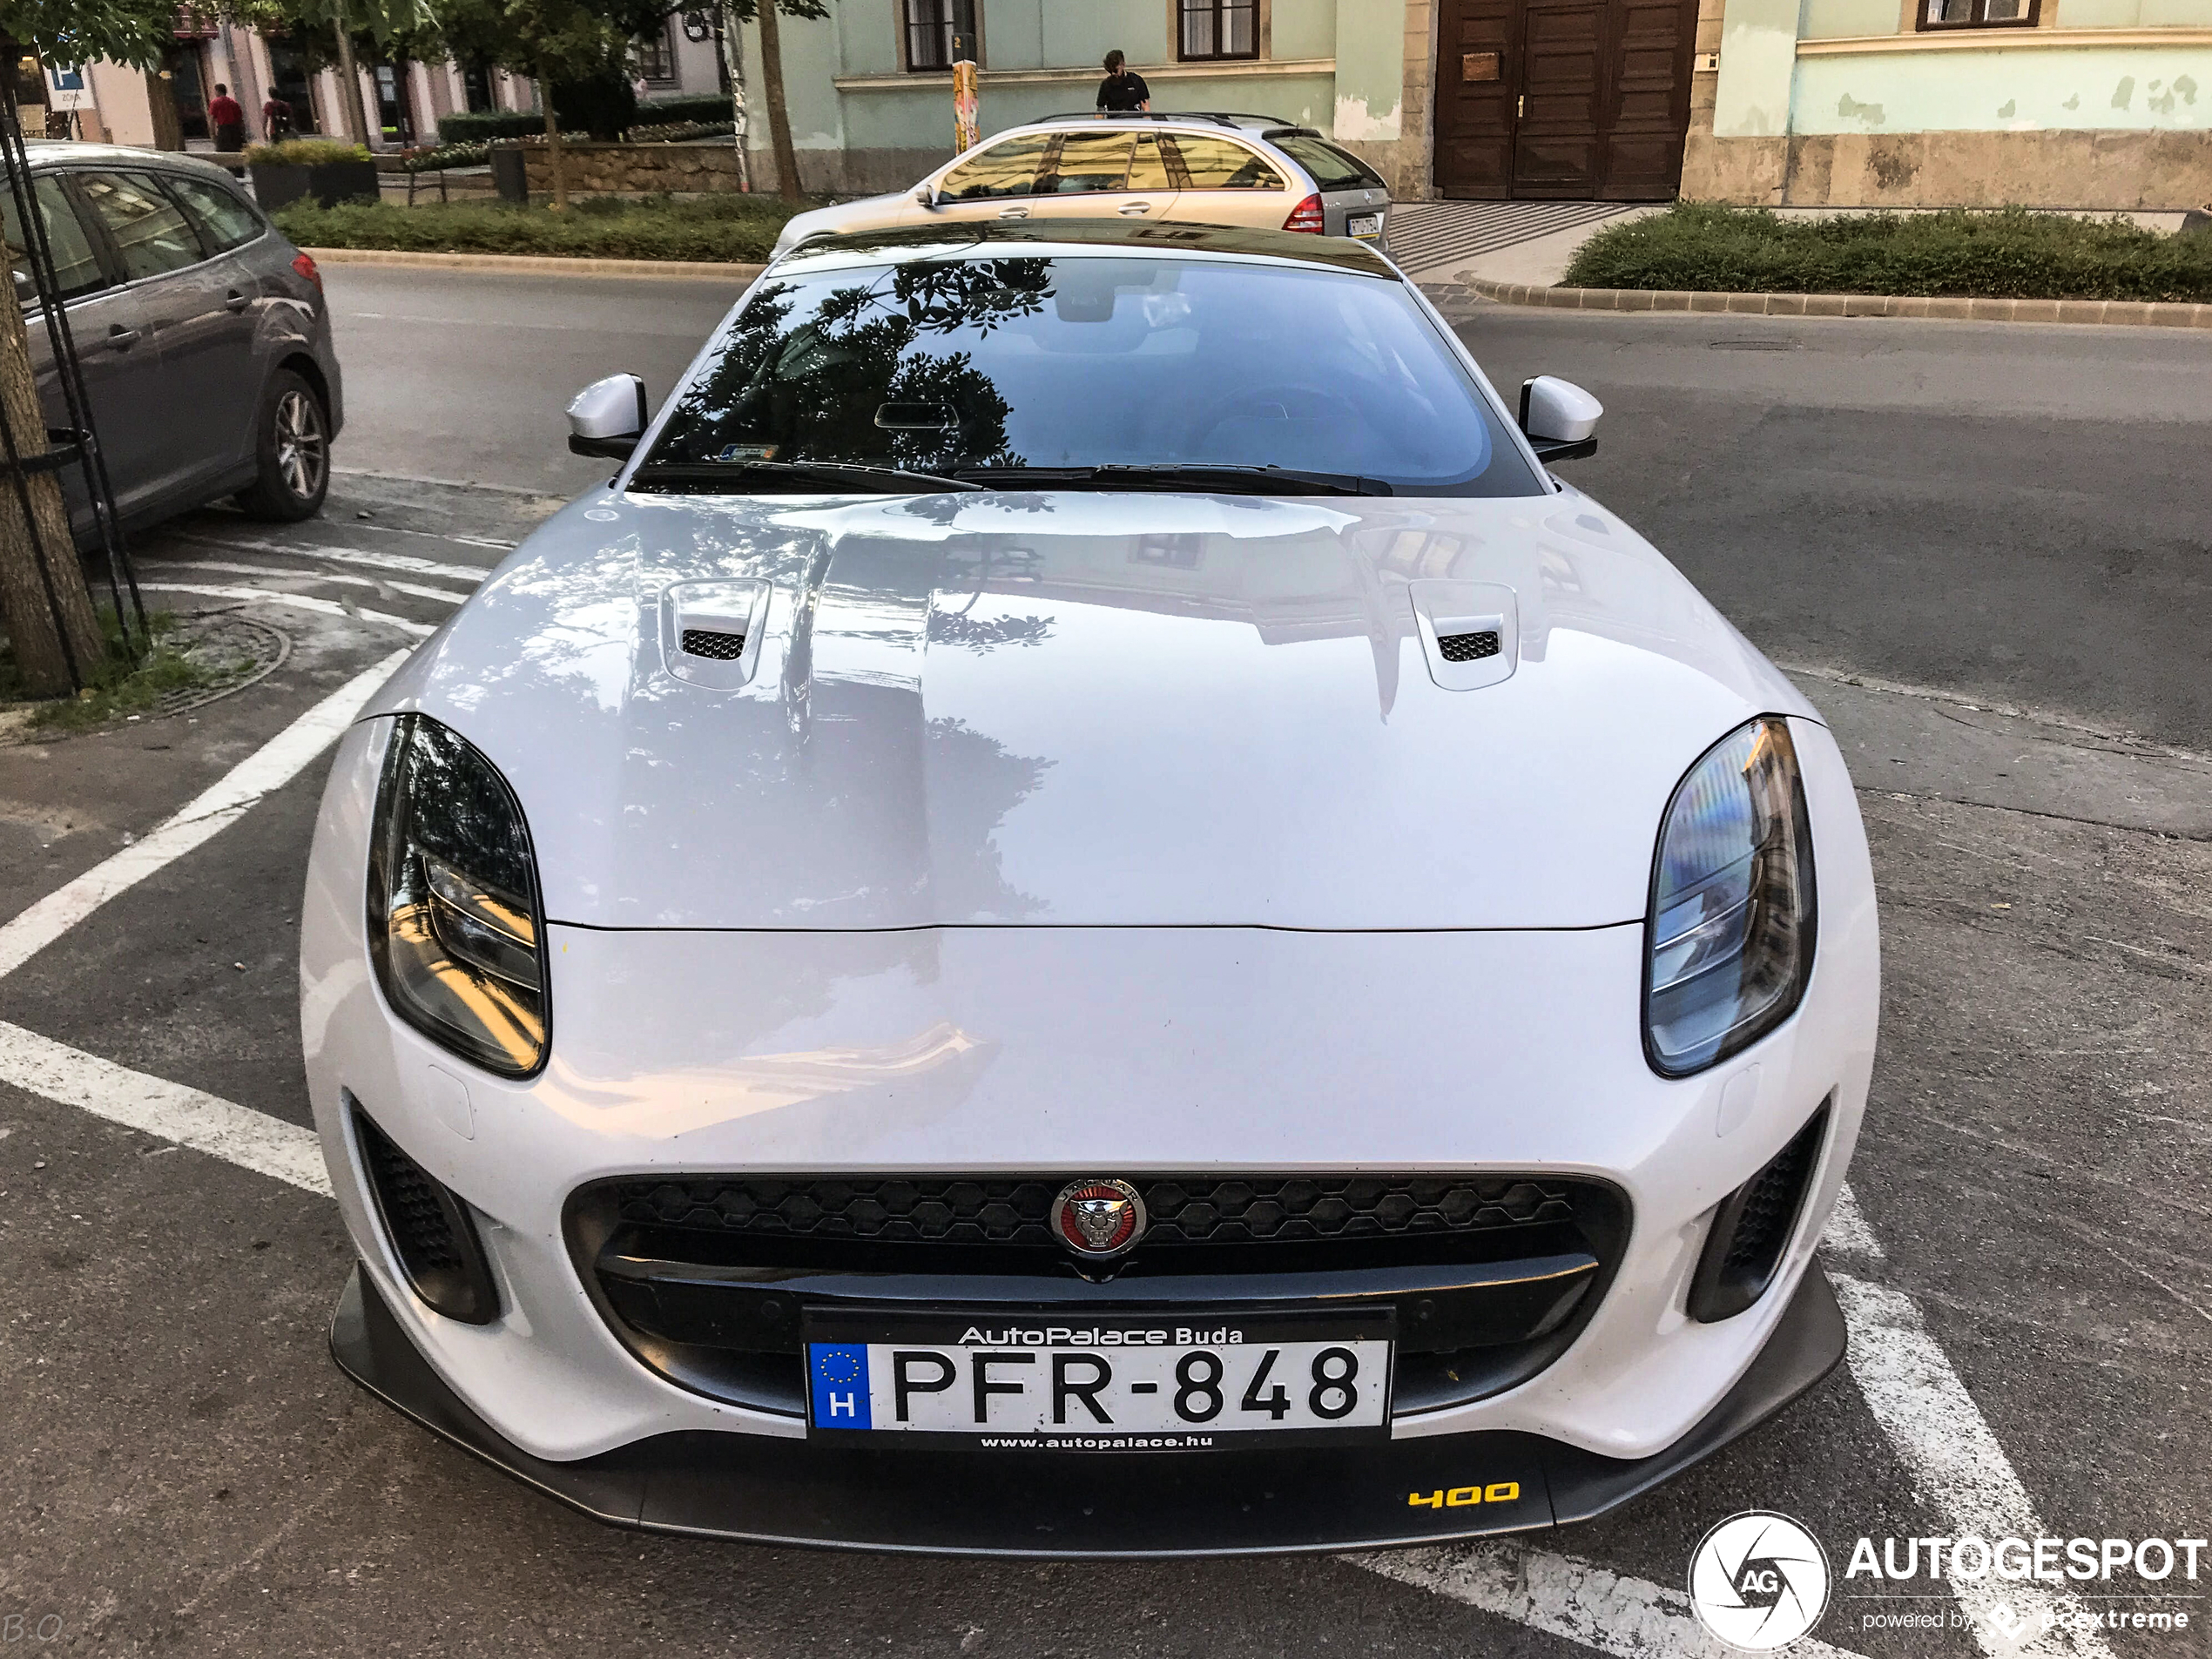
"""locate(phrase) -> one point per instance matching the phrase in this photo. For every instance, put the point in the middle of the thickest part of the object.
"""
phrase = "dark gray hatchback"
(204, 334)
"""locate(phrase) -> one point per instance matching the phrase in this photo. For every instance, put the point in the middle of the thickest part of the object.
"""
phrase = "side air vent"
(429, 1228)
(711, 631)
(1752, 1229)
(713, 646)
(1467, 648)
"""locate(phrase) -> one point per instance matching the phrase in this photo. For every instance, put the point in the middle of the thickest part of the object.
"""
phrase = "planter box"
(277, 183)
(635, 168)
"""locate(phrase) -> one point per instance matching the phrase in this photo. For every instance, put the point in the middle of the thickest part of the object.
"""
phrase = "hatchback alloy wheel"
(302, 445)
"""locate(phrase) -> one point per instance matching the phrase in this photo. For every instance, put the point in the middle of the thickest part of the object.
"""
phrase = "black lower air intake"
(1753, 1229)
(429, 1228)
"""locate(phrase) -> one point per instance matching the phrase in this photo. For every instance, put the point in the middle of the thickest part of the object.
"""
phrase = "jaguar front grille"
(706, 1277)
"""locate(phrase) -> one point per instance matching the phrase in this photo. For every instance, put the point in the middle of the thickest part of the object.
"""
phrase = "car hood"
(1081, 709)
(866, 212)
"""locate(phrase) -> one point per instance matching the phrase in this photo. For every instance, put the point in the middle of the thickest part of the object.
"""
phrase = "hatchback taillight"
(1306, 216)
(306, 267)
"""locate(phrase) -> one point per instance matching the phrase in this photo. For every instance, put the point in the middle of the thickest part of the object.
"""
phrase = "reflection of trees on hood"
(814, 391)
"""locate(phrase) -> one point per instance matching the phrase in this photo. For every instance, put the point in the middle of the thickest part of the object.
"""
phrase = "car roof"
(1162, 239)
(46, 152)
(1262, 127)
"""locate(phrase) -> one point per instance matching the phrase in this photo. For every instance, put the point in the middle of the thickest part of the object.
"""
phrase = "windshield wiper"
(1257, 480)
(892, 479)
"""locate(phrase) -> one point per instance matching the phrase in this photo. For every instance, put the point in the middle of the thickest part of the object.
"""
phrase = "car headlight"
(1729, 936)
(454, 922)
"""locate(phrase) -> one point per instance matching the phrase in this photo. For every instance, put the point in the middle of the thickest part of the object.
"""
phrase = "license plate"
(1364, 225)
(1104, 1382)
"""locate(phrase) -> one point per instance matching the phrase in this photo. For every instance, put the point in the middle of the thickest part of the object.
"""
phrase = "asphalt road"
(1957, 516)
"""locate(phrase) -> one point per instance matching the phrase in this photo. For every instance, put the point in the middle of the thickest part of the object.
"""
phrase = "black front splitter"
(1056, 1504)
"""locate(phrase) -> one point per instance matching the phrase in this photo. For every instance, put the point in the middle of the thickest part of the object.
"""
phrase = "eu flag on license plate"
(837, 1373)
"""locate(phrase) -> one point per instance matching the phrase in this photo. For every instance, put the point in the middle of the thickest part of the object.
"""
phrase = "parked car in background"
(204, 334)
(1249, 171)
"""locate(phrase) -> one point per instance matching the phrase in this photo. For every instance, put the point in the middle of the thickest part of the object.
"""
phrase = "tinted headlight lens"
(454, 919)
(1730, 932)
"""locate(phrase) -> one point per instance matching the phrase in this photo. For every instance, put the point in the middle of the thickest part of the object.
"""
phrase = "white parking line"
(1957, 1468)
(403, 562)
(235, 1133)
(297, 601)
(270, 767)
(1564, 1596)
(445, 596)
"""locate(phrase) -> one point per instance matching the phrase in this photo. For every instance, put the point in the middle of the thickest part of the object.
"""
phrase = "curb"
(529, 264)
(2139, 313)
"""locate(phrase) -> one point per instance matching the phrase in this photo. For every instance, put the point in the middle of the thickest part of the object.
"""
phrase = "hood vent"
(721, 647)
(711, 631)
(1465, 648)
(1470, 632)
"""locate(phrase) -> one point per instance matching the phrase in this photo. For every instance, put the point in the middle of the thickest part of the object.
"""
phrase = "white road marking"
(186, 1117)
(406, 562)
(1564, 1596)
(1955, 1465)
(1847, 1233)
(445, 596)
(270, 767)
(297, 601)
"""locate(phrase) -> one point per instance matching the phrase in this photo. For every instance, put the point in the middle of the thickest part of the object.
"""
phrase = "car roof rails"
(1141, 115)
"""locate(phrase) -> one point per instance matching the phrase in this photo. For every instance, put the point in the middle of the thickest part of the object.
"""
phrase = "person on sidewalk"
(276, 119)
(1123, 90)
(228, 119)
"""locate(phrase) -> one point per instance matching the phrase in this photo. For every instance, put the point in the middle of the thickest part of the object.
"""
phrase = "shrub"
(2008, 253)
(304, 152)
(603, 105)
(734, 228)
(522, 124)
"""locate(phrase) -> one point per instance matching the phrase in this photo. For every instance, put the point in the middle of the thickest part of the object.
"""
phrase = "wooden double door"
(1562, 99)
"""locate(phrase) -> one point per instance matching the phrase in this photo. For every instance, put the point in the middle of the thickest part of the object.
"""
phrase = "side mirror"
(925, 196)
(607, 417)
(1560, 419)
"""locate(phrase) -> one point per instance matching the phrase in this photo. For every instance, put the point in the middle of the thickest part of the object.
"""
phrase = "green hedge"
(503, 124)
(305, 152)
(737, 228)
(2010, 254)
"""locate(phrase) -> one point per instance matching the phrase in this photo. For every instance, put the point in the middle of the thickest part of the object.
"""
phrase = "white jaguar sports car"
(1083, 863)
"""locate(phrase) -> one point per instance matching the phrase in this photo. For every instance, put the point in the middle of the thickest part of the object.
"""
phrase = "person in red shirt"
(228, 119)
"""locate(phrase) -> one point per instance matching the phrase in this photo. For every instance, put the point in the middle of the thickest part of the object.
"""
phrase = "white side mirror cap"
(607, 417)
(926, 195)
(1557, 411)
(613, 407)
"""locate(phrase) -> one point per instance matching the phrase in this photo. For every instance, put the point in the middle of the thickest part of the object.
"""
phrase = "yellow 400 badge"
(1460, 1497)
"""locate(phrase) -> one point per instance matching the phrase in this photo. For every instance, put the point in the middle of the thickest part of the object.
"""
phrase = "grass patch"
(117, 687)
(2010, 254)
(733, 227)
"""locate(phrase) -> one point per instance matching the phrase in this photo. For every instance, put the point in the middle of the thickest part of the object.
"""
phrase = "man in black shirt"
(1123, 90)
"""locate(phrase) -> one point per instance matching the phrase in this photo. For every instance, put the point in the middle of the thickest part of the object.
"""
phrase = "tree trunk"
(733, 65)
(555, 154)
(161, 104)
(350, 76)
(771, 71)
(43, 654)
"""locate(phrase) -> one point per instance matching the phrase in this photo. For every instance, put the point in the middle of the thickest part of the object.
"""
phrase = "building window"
(930, 34)
(1222, 28)
(1978, 14)
(657, 57)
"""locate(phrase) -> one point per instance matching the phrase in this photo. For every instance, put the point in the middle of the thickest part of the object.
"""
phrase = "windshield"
(993, 367)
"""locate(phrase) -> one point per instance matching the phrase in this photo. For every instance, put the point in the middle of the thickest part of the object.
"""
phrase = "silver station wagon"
(1250, 171)
(204, 334)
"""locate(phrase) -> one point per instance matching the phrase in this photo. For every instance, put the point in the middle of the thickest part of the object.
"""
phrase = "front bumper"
(768, 1491)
